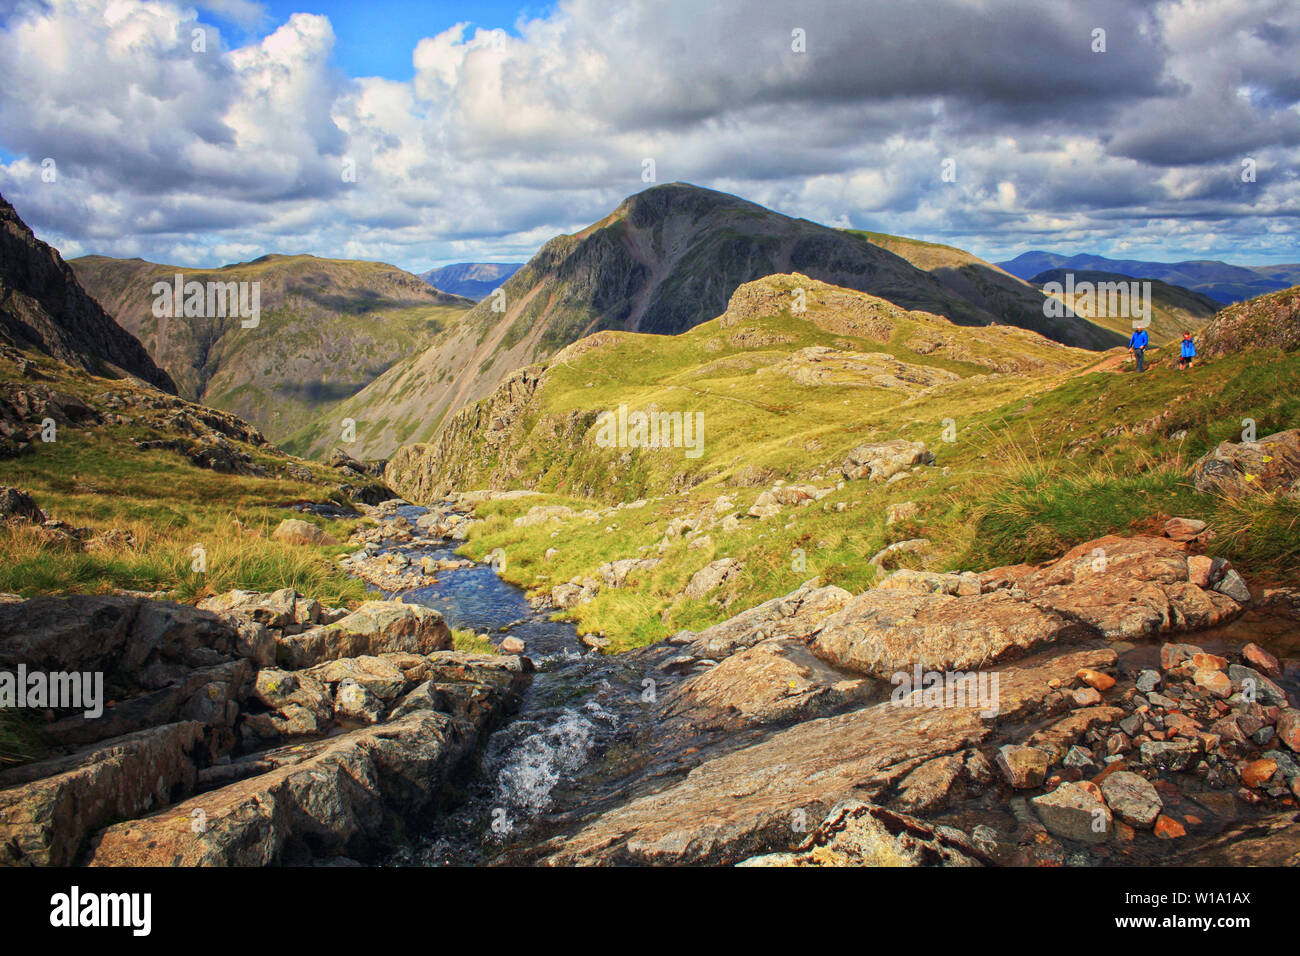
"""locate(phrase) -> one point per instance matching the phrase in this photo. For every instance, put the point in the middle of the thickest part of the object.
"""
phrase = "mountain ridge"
(663, 261)
(44, 306)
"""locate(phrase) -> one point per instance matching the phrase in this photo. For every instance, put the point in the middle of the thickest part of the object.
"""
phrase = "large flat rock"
(743, 803)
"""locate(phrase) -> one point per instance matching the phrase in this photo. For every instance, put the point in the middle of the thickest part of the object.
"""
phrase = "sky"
(427, 133)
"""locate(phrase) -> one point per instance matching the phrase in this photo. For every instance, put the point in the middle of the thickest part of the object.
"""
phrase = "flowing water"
(584, 734)
(578, 705)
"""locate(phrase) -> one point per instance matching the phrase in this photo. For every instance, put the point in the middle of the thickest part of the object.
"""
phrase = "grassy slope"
(1040, 463)
(94, 477)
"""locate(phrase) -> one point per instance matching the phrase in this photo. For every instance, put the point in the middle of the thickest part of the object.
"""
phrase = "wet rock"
(1167, 828)
(1255, 686)
(1073, 812)
(1148, 680)
(931, 786)
(1257, 773)
(856, 833)
(1023, 767)
(1132, 798)
(739, 804)
(512, 645)
(1169, 754)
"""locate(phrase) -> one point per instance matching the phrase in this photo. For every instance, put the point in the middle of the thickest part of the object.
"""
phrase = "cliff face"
(665, 261)
(43, 307)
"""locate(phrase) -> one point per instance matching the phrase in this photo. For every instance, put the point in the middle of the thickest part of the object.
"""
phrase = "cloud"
(173, 141)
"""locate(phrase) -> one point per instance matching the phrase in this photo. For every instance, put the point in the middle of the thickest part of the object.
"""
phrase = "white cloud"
(500, 142)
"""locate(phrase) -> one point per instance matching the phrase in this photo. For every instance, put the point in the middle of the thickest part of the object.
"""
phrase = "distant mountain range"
(473, 280)
(1221, 281)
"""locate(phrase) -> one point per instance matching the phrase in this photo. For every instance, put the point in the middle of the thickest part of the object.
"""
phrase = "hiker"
(1189, 352)
(1138, 343)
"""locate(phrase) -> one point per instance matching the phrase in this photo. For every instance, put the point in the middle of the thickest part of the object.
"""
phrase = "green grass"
(1039, 465)
(95, 478)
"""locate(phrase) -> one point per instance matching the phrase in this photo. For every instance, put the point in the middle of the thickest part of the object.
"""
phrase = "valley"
(543, 622)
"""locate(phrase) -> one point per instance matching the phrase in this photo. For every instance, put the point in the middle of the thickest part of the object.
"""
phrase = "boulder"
(879, 461)
(797, 615)
(297, 531)
(775, 681)
(540, 514)
(616, 574)
(15, 504)
(883, 632)
(711, 577)
(376, 627)
(1270, 464)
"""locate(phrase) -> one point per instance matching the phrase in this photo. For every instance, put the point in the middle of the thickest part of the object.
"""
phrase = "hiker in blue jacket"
(1188, 358)
(1138, 343)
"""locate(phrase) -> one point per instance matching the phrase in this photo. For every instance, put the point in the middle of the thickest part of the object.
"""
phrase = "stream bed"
(587, 733)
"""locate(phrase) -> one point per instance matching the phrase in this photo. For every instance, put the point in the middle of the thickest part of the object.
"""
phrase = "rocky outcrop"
(1243, 468)
(48, 809)
(376, 627)
(43, 307)
(855, 833)
(746, 802)
(339, 797)
(1269, 321)
(880, 461)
